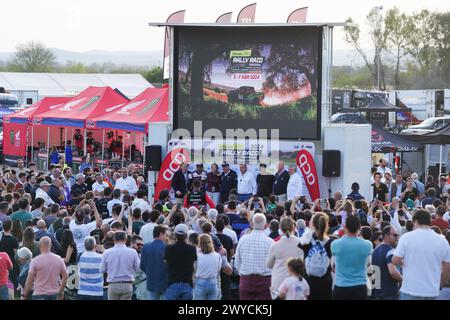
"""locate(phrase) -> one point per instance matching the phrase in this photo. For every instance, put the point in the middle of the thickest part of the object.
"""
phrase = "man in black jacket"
(228, 181)
(280, 183)
(54, 192)
(180, 182)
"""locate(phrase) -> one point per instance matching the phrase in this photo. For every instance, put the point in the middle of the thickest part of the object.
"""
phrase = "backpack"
(317, 260)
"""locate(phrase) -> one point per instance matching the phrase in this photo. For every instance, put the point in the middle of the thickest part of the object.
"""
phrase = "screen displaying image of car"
(259, 77)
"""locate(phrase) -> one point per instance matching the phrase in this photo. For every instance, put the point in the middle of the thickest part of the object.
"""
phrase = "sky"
(117, 25)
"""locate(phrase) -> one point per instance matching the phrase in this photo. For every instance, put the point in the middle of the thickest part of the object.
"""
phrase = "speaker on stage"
(153, 158)
(331, 163)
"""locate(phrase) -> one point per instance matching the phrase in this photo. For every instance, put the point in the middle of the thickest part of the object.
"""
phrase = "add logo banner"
(307, 166)
(170, 165)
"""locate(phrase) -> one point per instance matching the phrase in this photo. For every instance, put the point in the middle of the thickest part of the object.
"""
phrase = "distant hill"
(154, 58)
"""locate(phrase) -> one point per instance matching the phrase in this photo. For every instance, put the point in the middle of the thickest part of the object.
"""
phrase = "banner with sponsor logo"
(14, 139)
(247, 14)
(308, 168)
(170, 165)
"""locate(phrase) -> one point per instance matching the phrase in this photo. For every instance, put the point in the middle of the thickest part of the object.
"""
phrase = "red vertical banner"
(225, 18)
(15, 139)
(307, 166)
(176, 17)
(298, 15)
(247, 14)
(169, 166)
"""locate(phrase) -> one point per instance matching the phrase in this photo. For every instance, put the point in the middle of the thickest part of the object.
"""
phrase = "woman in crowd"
(213, 183)
(29, 242)
(281, 251)
(68, 249)
(24, 256)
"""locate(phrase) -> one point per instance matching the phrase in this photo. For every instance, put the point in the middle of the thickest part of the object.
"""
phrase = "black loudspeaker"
(153, 158)
(331, 163)
(434, 171)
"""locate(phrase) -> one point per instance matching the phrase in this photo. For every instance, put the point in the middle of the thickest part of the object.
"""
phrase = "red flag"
(307, 166)
(247, 14)
(177, 17)
(298, 15)
(170, 165)
(224, 18)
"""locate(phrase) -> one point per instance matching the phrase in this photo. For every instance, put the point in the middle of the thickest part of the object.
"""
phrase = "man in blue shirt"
(153, 264)
(389, 275)
(351, 253)
(280, 183)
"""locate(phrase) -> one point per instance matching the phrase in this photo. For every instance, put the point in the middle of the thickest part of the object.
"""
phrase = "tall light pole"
(379, 21)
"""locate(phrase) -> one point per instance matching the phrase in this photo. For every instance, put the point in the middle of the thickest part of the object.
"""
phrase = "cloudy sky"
(84, 25)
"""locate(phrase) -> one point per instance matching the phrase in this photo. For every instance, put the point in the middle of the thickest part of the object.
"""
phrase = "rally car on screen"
(246, 95)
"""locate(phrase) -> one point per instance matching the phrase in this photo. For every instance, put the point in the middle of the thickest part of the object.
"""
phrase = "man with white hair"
(126, 183)
(212, 215)
(295, 184)
(47, 275)
(42, 192)
(250, 261)
(246, 186)
(419, 185)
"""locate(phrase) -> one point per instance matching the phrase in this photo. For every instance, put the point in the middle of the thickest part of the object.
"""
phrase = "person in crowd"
(9, 245)
(42, 231)
(47, 274)
(294, 287)
(198, 175)
(115, 200)
(180, 258)
(102, 202)
(147, 230)
(126, 183)
(418, 184)
(351, 259)
(430, 197)
(397, 187)
(79, 228)
(21, 183)
(29, 242)
(78, 138)
(24, 256)
(23, 215)
(279, 253)
(209, 264)
(197, 197)
(246, 186)
(141, 201)
(439, 221)
(424, 256)
(85, 163)
(180, 183)
(316, 246)
(228, 182)
(251, 262)
(280, 183)
(153, 263)
(380, 190)
(295, 184)
(410, 192)
(42, 192)
(68, 178)
(383, 168)
(213, 183)
(99, 186)
(80, 184)
(355, 195)
(89, 269)
(68, 248)
(390, 277)
(20, 165)
(68, 153)
(120, 263)
(264, 181)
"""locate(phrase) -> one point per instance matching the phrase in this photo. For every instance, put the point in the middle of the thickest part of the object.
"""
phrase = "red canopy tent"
(16, 127)
(152, 105)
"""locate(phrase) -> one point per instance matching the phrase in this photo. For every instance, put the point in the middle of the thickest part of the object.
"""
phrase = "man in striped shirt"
(91, 277)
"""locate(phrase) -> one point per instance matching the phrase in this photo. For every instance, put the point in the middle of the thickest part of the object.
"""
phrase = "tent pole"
(26, 150)
(85, 142)
(440, 161)
(32, 142)
(123, 149)
(143, 150)
(48, 147)
(103, 148)
(130, 146)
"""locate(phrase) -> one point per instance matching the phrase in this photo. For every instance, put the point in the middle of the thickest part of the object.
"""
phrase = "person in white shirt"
(295, 184)
(99, 185)
(127, 183)
(140, 202)
(42, 192)
(382, 168)
(424, 256)
(250, 261)
(116, 199)
(246, 186)
(146, 232)
(80, 230)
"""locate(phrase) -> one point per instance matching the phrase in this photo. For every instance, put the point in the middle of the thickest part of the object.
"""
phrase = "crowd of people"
(220, 235)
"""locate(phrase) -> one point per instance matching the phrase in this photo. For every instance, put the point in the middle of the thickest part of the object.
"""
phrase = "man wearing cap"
(228, 182)
(246, 184)
(180, 258)
(180, 183)
(280, 183)
(79, 184)
(42, 192)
